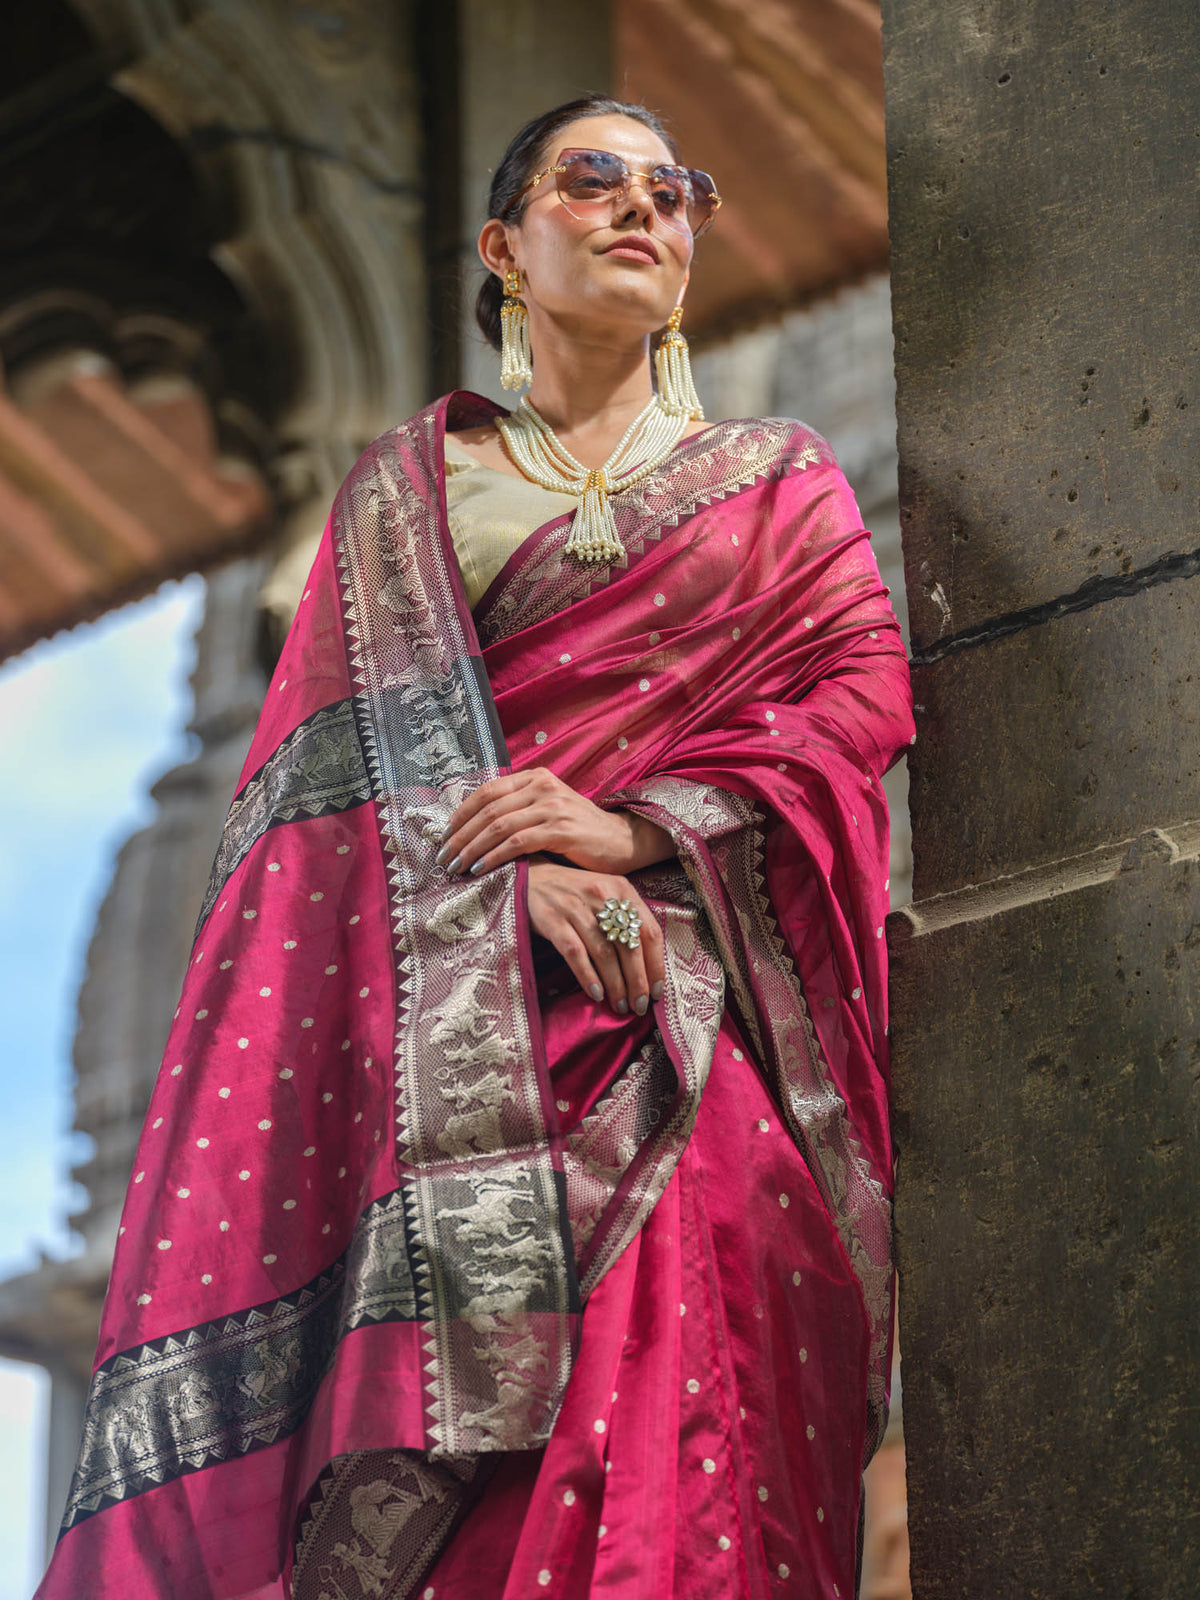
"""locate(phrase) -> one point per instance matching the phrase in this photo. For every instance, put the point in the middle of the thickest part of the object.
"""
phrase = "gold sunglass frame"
(618, 195)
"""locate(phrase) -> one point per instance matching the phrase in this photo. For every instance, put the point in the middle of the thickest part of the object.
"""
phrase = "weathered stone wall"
(1046, 1000)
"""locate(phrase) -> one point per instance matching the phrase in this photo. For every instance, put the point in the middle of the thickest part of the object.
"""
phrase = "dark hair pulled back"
(525, 154)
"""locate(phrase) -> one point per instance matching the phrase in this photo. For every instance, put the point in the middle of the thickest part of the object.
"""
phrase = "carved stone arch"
(106, 238)
(137, 398)
(303, 126)
(225, 192)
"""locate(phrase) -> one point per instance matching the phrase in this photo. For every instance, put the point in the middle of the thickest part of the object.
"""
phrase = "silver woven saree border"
(471, 1138)
(376, 1523)
(770, 997)
(620, 1157)
(316, 771)
(224, 1388)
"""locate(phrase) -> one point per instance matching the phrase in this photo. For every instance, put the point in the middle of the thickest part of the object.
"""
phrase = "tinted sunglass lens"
(702, 206)
(671, 191)
(592, 176)
(684, 197)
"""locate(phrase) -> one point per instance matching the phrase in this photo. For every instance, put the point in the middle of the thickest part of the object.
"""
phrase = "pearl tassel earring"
(676, 390)
(516, 358)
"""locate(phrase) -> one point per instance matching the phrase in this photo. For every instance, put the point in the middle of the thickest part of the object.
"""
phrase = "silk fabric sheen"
(433, 1276)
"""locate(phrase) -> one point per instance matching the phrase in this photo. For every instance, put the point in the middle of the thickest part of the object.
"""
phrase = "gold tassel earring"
(676, 390)
(516, 359)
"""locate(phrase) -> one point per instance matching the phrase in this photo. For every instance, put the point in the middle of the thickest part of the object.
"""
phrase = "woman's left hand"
(533, 810)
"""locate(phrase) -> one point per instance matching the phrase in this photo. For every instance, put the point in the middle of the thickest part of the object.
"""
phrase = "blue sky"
(87, 722)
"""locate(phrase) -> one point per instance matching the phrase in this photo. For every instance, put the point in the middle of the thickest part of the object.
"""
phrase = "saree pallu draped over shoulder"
(407, 1205)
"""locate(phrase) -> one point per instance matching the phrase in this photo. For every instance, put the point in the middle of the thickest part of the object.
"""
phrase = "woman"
(512, 1212)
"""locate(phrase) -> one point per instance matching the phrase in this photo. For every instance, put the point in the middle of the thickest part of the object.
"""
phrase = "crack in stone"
(1095, 592)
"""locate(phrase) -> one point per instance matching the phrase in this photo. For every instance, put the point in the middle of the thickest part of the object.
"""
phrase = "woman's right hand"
(563, 903)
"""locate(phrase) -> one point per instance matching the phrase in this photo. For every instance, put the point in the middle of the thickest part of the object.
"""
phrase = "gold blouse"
(491, 513)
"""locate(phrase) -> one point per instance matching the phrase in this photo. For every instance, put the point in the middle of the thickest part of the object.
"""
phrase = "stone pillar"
(1046, 980)
(68, 1397)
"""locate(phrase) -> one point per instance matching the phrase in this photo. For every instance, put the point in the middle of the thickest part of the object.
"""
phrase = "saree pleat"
(435, 1278)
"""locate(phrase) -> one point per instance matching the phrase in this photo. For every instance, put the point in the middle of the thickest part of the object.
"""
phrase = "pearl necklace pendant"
(540, 455)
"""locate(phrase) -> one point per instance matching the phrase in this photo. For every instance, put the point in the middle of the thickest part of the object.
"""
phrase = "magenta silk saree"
(434, 1277)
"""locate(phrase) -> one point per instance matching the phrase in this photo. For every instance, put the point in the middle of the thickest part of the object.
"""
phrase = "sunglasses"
(588, 181)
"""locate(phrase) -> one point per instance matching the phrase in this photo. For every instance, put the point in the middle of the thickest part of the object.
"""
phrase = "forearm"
(630, 841)
(648, 843)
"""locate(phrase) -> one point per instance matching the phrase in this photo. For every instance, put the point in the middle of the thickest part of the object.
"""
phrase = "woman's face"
(579, 271)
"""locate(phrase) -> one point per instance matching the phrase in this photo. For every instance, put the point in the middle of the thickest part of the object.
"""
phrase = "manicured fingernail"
(656, 990)
(478, 867)
(623, 1008)
(455, 864)
(596, 992)
(640, 1004)
(442, 854)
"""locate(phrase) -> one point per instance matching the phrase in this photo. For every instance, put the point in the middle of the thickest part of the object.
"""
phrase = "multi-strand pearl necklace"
(540, 455)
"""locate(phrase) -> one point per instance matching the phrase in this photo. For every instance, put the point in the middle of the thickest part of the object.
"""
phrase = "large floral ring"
(620, 923)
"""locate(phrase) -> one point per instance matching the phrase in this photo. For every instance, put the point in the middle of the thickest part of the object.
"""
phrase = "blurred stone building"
(237, 244)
